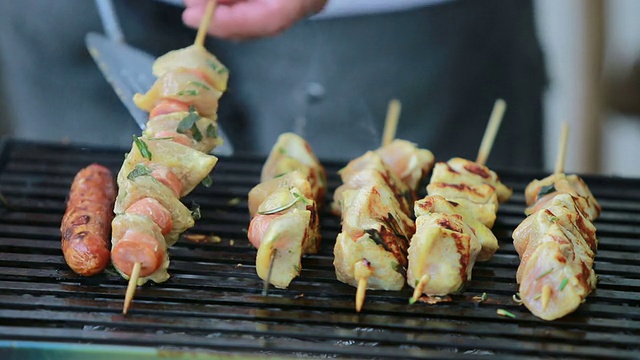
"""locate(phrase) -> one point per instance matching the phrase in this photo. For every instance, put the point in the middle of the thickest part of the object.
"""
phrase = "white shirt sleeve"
(338, 8)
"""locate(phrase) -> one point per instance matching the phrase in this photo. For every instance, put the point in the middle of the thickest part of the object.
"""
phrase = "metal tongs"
(128, 69)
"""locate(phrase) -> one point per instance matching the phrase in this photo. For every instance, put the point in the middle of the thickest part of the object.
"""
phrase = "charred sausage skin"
(87, 220)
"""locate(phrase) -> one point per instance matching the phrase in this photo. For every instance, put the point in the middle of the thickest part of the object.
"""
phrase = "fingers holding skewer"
(131, 287)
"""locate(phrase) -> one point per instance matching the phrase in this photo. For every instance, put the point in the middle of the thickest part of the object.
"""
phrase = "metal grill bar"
(212, 301)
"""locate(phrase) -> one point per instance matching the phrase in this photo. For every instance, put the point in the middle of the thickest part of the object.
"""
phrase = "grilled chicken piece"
(438, 204)
(479, 200)
(188, 165)
(408, 162)
(284, 208)
(374, 239)
(444, 249)
(557, 246)
(204, 139)
(289, 180)
(194, 57)
(284, 238)
(291, 152)
(281, 201)
(463, 171)
(539, 192)
(369, 170)
(184, 85)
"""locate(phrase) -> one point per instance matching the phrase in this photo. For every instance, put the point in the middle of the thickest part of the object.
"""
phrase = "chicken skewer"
(167, 162)
(453, 222)
(557, 242)
(374, 202)
(284, 210)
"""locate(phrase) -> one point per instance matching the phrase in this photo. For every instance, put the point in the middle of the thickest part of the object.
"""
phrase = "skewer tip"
(360, 293)
(417, 291)
(131, 287)
(265, 286)
(546, 295)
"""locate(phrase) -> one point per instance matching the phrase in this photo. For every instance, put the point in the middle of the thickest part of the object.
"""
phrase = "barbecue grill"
(212, 304)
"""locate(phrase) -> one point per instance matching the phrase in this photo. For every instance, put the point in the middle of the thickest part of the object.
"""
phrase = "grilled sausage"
(87, 220)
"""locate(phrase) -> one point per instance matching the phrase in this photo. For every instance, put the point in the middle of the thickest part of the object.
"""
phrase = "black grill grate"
(212, 301)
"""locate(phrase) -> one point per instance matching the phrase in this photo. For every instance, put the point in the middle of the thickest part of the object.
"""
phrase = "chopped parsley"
(142, 147)
(504, 312)
(544, 274)
(296, 268)
(563, 284)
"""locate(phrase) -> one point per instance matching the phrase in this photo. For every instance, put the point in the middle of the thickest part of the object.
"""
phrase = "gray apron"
(328, 80)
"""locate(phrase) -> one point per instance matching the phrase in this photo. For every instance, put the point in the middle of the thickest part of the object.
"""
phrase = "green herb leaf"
(212, 131)
(213, 65)
(142, 147)
(139, 170)
(504, 312)
(563, 284)
(195, 132)
(280, 208)
(484, 297)
(544, 274)
(282, 151)
(199, 84)
(190, 92)
(546, 190)
(189, 121)
(222, 70)
(195, 211)
(207, 181)
(296, 268)
(516, 298)
(537, 297)
(396, 267)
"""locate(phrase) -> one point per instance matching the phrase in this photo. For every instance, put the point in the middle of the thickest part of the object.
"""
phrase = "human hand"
(243, 19)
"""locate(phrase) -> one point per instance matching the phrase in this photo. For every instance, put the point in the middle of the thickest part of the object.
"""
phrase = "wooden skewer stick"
(490, 132)
(272, 260)
(131, 288)
(204, 24)
(417, 291)
(391, 122)
(562, 148)
(360, 293)
(546, 295)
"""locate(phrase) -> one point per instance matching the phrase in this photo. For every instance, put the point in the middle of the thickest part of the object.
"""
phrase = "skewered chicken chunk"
(284, 208)
(479, 200)
(539, 192)
(438, 204)
(168, 161)
(374, 233)
(557, 246)
(367, 170)
(463, 171)
(408, 162)
(291, 152)
(444, 249)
